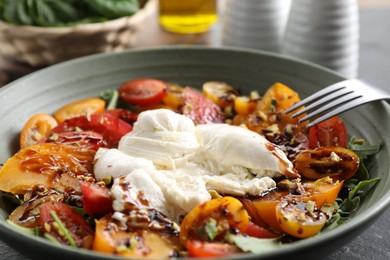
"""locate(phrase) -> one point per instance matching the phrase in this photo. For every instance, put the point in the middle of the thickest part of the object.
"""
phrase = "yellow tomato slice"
(321, 191)
(82, 107)
(51, 165)
(297, 220)
(174, 98)
(243, 105)
(224, 214)
(220, 93)
(113, 239)
(36, 128)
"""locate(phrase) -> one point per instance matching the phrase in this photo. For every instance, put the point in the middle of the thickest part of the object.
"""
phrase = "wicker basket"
(39, 46)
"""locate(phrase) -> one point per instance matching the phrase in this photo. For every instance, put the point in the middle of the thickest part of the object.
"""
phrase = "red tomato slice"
(259, 232)
(96, 199)
(331, 132)
(200, 109)
(143, 91)
(197, 248)
(124, 114)
(111, 128)
(87, 139)
(78, 228)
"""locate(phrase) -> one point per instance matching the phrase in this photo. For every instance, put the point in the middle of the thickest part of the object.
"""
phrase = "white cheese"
(162, 136)
(112, 162)
(232, 149)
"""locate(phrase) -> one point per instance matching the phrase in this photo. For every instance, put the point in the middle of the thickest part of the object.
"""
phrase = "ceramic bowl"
(52, 87)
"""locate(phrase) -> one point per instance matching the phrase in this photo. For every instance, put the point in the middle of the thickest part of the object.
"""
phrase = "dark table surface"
(374, 243)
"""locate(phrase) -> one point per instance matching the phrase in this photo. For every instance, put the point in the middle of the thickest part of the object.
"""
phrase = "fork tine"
(346, 98)
(354, 103)
(336, 94)
(323, 92)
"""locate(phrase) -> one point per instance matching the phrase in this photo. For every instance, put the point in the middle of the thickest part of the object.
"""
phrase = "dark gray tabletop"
(374, 243)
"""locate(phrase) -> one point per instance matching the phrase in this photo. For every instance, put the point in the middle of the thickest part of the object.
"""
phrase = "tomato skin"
(197, 248)
(87, 139)
(111, 128)
(143, 91)
(78, 227)
(123, 114)
(262, 209)
(97, 200)
(331, 132)
(321, 191)
(84, 107)
(200, 109)
(260, 232)
(297, 221)
(37, 127)
(335, 162)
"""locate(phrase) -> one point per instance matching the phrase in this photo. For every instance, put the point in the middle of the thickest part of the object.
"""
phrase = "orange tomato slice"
(226, 213)
(111, 238)
(36, 128)
(51, 165)
(262, 209)
(82, 107)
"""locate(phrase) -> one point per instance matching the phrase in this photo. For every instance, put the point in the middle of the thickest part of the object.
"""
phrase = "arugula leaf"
(357, 187)
(253, 244)
(362, 148)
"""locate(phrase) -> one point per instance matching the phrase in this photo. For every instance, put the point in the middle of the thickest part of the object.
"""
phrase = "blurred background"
(356, 47)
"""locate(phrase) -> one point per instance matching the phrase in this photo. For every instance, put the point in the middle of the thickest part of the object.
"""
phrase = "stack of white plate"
(324, 32)
(257, 24)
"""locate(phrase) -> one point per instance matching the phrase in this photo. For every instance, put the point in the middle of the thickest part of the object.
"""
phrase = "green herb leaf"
(254, 245)
(362, 148)
(211, 229)
(114, 9)
(110, 96)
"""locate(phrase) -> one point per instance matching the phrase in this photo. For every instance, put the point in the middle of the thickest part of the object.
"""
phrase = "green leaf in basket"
(114, 9)
(59, 13)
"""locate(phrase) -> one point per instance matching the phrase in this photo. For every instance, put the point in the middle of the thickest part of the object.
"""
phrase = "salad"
(158, 170)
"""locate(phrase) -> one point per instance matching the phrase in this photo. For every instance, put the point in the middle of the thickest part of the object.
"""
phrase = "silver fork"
(336, 99)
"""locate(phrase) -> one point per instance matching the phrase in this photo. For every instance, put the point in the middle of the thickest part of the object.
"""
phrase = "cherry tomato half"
(84, 107)
(114, 239)
(124, 114)
(331, 132)
(97, 200)
(37, 127)
(336, 162)
(260, 232)
(200, 109)
(197, 248)
(111, 128)
(296, 220)
(262, 209)
(226, 213)
(143, 91)
(79, 229)
(321, 191)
